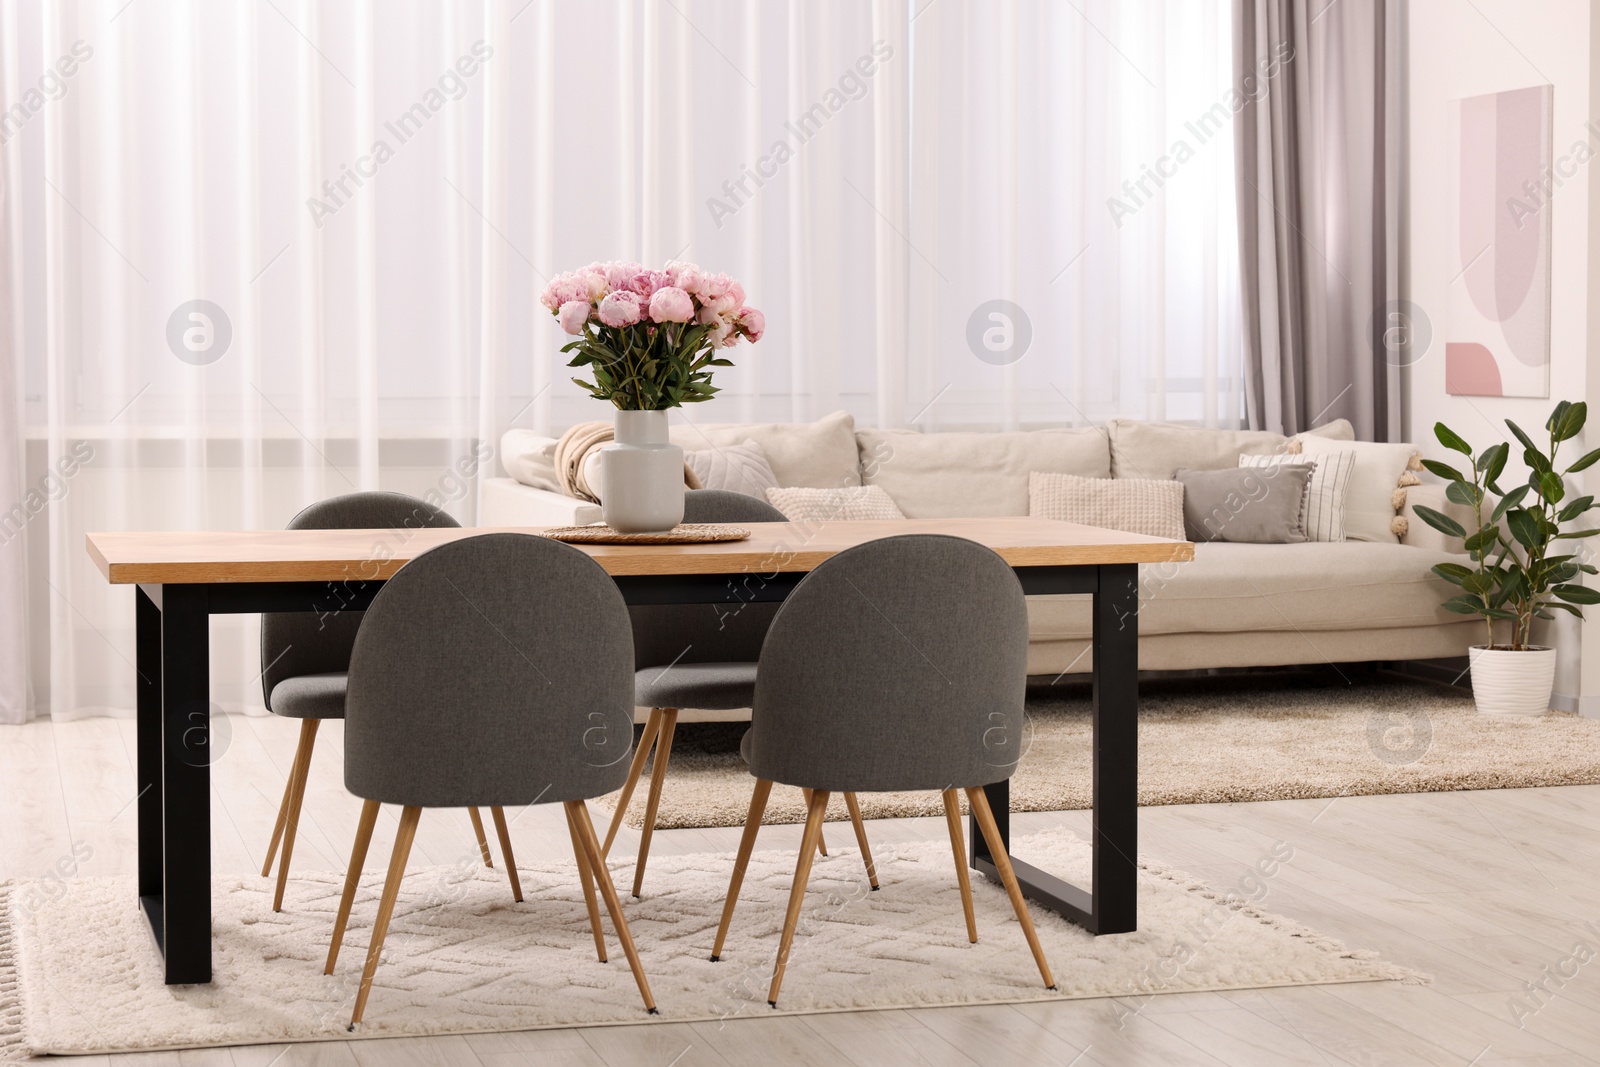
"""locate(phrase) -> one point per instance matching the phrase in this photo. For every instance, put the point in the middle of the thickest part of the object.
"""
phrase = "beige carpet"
(1233, 738)
(461, 957)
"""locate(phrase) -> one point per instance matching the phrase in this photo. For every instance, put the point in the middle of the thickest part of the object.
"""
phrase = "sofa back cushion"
(820, 455)
(1158, 449)
(967, 475)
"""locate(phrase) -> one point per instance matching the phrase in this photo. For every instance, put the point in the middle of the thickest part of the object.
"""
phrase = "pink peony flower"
(685, 276)
(752, 323)
(592, 281)
(671, 304)
(620, 309)
(619, 274)
(573, 315)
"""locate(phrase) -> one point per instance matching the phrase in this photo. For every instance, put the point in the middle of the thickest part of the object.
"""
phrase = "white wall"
(1457, 50)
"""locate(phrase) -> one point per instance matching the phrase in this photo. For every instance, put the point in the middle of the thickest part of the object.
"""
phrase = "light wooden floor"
(1485, 890)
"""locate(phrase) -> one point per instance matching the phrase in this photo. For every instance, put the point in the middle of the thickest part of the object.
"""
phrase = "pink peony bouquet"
(650, 337)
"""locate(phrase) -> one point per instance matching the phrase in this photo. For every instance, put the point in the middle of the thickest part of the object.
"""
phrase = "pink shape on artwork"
(1470, 370)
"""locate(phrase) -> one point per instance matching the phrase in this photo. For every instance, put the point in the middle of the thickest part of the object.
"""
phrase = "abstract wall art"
(1497, 329)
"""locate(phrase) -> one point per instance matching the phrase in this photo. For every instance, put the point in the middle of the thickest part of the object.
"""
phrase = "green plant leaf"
(1524, 526)
(1587, 460)
(1450, 440)
(1550, 487)
(1574, 508)
(1454, 573)
(1565, 607)
(1527, 442)
(1566, 422)
(1498, 455)
(1478, 584)
(1464, 605)
(1443, 470)
(1464, 493)
(1577, 594)
(1509, 501)
(1440, 521)
(1577, 533)
(1535, 460)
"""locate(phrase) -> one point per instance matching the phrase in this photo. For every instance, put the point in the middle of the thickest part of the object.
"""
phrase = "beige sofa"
(1235, 605)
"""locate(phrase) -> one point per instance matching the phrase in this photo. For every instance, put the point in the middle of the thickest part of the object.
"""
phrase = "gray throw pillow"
(1258, 505)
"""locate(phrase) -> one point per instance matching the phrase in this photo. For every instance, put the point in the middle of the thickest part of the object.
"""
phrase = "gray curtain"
(1317, 138)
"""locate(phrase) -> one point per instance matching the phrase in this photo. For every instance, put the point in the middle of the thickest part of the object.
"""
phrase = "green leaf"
(1565, 607)
(1497, 462)
(1463, 493)
(1577, 594)
(1575, 508)
(1535, 460)
(1440, 521)
(1453, 573)
(1524, 526)
(1578, 533)
(1527, 442)
(1478, 541)
(1550, 487)
(1585, 462)
(1443, 470)
(1448, 438)
(1478, 584)
(1509, 501)
(1464, 605)
(1566, 422)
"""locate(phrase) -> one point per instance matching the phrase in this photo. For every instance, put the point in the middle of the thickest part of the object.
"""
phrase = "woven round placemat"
(684, 534)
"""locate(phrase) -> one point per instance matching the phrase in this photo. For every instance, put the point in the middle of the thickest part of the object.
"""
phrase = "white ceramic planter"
(641, 475)
(1512, 683)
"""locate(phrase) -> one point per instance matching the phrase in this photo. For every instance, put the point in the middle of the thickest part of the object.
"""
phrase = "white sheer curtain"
(370, 195)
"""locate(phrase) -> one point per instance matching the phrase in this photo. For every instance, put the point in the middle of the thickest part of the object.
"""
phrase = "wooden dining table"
(184, 578)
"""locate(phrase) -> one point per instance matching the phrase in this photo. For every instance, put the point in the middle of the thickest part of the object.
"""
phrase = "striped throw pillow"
(1325, 493)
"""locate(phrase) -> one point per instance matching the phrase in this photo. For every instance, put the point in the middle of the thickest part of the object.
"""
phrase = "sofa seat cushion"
(1231, 588)
(819, 455)
(969, 475)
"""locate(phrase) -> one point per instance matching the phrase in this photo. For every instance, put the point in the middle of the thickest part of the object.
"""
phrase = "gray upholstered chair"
(900, 664)
(491, 671)
(700, 656)
(304, 657)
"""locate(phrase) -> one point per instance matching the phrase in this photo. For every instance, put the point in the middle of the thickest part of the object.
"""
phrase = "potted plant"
(650, 339)
(1520, 567)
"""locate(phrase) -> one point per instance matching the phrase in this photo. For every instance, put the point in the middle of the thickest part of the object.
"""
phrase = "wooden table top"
(190, 557)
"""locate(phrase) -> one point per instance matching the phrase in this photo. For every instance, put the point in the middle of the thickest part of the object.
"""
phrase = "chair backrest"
(300, 642)
(727, 632)
(897, 664)
(493, 670)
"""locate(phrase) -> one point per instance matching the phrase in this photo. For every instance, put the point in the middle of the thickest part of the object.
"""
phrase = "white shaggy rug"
(461, 957)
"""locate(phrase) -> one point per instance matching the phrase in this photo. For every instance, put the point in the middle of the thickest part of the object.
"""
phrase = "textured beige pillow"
(941, 475)
(1132, 505)
(1157, 449)
(830, 505)
(739, 468)
(820, 454)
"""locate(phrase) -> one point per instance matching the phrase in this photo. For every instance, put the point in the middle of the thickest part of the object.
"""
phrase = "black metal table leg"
(147, 615)
(1110, 905)
(184, 928)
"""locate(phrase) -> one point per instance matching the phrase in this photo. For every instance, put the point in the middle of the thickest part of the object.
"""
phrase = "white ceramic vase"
(641, 475)
(1512, 683)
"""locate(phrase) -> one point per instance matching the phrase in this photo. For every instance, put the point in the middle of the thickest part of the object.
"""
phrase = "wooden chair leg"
(500, 828)
(797, 893)
(952, 817)
(658, 775)
(747, 844)
(483, 838)
(979, 802)
(283, 816)
(822, 842)
(586, 876)
(579, 813)
(302, 770)
(652, 726)
(352, 878)
(391, 891)
(861, 838)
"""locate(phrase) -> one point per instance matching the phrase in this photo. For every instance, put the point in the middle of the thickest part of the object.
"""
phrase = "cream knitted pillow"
(1148, 506)
(831, 505)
